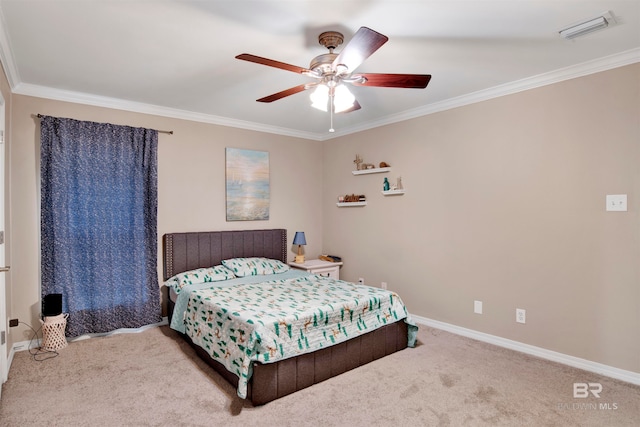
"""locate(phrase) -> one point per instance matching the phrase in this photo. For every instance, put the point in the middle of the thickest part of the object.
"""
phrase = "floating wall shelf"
(393, 192)
(350, 204)
(374, 170)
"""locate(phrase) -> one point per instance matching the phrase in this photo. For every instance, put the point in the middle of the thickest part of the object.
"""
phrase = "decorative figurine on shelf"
(358, 161)
(384, 165)
(399, 184)
(385, 185)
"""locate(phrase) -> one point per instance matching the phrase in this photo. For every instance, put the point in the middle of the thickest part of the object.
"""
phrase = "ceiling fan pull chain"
(331, 129)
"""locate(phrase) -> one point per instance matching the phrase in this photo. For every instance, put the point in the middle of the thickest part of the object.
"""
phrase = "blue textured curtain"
(99, 223)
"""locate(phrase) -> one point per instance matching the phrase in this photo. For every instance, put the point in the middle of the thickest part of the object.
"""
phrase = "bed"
(266, 380)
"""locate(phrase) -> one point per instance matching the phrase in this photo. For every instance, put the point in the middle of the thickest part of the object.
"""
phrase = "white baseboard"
(576, 362)
(35, 343)
(20, 346)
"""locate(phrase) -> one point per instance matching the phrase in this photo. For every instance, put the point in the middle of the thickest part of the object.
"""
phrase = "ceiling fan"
(332, 71)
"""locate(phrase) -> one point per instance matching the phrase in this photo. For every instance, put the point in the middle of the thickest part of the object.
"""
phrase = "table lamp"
(299, 240)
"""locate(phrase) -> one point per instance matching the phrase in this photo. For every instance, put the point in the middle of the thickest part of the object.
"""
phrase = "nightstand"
(318, 266)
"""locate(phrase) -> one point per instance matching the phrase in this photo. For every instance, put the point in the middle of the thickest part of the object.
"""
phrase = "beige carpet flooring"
(153, 378)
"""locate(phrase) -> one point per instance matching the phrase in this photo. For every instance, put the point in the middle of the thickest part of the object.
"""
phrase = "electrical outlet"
(477, 307)
(616, 202)
(383, 285)
(361, 280)
(521, 315)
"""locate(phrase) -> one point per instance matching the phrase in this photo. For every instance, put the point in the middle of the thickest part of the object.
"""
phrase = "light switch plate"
(617, 202)
(477, 307)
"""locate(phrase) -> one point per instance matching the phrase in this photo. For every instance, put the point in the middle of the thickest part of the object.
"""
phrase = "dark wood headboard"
(188, 251)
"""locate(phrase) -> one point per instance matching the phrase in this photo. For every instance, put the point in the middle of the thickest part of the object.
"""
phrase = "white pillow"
(216, 273)
(255, 266)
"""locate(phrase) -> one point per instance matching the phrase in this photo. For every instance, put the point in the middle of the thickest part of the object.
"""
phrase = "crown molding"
(156, 110)
(6, 54)
(590, 67)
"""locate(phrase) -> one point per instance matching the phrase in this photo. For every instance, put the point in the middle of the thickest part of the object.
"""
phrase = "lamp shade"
(343, 99)
(319, 100)
(299, 239)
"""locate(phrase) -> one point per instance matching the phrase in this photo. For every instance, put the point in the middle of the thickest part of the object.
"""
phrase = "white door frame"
(3, 303)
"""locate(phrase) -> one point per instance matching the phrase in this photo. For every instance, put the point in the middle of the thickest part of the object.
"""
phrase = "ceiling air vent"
(579, 29)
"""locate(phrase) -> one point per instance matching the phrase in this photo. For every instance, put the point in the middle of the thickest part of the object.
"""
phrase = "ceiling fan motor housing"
(322, 63)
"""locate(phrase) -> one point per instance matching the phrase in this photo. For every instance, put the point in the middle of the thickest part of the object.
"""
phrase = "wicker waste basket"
(53, 337)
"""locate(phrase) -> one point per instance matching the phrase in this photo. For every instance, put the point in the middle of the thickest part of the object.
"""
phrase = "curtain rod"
(170, 132)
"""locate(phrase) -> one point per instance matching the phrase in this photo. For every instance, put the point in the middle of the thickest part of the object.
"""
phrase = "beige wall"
(191, 192)
(505, 203)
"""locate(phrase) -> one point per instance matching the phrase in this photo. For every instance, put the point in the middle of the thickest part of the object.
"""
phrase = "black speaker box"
(52, 305)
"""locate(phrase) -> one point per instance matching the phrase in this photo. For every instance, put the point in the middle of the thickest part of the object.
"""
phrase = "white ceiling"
(176, 58)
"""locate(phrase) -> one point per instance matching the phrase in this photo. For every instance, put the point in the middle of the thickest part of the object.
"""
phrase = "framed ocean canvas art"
(247, 185)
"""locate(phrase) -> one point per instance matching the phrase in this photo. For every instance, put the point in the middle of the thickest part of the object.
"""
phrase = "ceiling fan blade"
(364, 42)
(354, 107)
(272, 63)
(284, 93)
(413, 81)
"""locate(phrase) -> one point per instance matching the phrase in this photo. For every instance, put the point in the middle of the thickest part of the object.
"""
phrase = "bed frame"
(187, 251)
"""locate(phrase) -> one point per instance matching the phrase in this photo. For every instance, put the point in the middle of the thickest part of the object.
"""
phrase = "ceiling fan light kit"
(333, 71)
(589, 26)
(340, 96)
